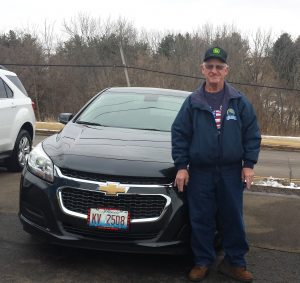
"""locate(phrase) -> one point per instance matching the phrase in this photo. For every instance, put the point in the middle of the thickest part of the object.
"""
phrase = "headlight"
(40, 164)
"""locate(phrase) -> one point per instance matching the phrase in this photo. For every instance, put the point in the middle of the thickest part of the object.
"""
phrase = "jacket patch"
(230, 115)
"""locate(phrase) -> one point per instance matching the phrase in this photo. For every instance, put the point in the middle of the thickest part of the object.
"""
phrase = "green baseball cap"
(215, 52)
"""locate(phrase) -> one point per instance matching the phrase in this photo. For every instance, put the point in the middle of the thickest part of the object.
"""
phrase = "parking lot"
(272, 225)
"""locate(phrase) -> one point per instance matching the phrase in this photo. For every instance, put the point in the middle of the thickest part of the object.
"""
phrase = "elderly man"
(215, 144)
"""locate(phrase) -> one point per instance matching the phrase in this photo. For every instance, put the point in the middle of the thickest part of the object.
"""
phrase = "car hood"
(112, 151)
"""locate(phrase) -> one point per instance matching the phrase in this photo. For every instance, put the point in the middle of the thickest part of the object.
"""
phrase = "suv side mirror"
(64, 118)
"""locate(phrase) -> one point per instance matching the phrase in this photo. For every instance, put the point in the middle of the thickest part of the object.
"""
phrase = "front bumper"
(43, 214)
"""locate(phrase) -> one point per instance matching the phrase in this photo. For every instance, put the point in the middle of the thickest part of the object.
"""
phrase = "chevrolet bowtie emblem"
(112, 189)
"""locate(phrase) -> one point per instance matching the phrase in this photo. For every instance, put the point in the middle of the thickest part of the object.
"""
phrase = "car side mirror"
(64, 118)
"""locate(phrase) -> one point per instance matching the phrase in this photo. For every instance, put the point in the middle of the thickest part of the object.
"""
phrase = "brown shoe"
(236, 272)
(198, 273)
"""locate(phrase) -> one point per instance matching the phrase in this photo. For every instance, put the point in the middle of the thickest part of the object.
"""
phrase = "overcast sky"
(159, 15)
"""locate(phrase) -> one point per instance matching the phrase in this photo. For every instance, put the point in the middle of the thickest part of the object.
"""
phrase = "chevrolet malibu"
(105, 181)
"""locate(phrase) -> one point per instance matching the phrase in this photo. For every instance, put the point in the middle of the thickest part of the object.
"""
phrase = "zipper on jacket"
(218, 138)
(221, 132)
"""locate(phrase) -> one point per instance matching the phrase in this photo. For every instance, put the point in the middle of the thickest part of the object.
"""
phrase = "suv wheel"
(21, 150)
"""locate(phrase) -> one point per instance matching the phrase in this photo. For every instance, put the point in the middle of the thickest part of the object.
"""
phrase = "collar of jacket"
(198, 99)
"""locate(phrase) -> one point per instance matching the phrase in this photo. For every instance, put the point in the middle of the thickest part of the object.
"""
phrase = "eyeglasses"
(218, 67)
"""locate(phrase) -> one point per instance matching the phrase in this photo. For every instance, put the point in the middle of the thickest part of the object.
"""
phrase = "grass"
(48, 126)
(279, 143)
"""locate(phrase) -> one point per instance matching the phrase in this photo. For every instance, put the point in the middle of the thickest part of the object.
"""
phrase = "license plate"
(108, 218)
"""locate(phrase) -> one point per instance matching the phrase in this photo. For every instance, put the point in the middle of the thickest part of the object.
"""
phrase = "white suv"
(17, 121)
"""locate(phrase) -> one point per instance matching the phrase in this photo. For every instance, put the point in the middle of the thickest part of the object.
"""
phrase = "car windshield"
(148, 111)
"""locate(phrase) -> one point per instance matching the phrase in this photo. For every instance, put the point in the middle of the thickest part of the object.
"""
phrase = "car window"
(133, 110)
(2, 89)
(15, 80)
(9, 92)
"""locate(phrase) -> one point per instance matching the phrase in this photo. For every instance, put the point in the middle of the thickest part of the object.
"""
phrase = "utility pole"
(297, 74)
(124, 64)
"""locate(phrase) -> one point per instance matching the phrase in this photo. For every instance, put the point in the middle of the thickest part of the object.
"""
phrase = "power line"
(142, 69)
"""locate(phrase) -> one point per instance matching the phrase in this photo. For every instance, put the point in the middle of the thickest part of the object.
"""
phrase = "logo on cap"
(216, 50)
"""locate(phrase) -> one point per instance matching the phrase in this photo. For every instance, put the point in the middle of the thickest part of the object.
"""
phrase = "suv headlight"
(40, 164)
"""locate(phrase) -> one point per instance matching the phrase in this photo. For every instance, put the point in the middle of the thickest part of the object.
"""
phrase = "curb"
(268, 142)
(46, 132)
(274, 190)
(279, 147)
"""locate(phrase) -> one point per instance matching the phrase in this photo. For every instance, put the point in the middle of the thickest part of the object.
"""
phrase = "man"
(215, 144)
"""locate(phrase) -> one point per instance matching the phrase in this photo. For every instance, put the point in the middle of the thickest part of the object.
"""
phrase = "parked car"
(17, 121)
(105, 181)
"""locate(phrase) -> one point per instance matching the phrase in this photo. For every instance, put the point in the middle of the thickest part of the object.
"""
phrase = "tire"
(17, 160)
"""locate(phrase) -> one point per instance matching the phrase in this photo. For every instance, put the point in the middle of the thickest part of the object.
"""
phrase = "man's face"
(214, 71)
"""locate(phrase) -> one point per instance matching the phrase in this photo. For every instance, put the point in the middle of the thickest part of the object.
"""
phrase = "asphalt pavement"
(272, 223)
(273, 231)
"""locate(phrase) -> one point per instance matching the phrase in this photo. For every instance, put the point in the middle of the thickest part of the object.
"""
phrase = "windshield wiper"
(89, 123)
(150, 129)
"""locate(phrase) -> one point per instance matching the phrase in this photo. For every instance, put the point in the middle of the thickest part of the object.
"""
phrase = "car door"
(7, 116)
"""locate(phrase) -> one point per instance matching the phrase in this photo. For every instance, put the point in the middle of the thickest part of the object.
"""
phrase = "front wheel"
(22, 148)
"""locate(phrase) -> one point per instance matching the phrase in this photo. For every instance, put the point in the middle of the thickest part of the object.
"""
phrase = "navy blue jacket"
(197, 142)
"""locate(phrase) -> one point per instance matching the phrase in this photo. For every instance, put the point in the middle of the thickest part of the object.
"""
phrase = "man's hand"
(247, 176)
(182, 179)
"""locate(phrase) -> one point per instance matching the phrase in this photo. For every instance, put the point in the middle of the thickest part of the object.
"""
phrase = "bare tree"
(90, 41)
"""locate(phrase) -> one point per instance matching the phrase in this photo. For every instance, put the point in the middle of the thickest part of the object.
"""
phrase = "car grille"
(115, 178)
(106, 234)
(140, 206)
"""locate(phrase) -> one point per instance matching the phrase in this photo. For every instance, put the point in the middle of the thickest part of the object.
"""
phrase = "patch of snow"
(277, 183)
